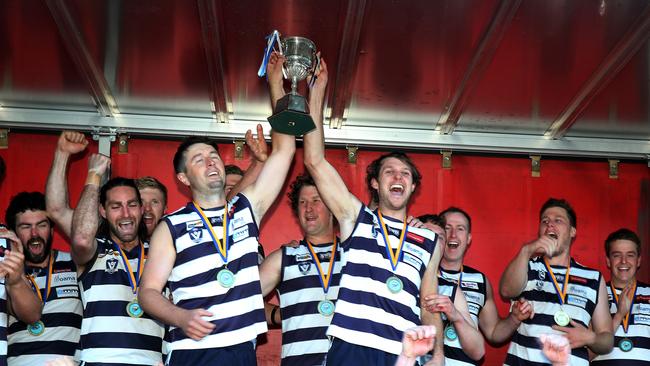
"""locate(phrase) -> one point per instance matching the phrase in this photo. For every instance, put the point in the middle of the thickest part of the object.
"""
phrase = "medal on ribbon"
(225, 277)
(450, 333)
(394, 283)
(133, 308)
(560, 317)
(325, 307)
(625, 344)
(37, 328)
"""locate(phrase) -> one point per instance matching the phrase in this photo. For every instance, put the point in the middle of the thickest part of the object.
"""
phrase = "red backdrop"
(498, 191)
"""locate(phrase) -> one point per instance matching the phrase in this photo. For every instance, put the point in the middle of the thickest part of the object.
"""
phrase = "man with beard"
(54, 278)
(307, 278)
(629, 301)
(109, 258)
(389, 266)
(207, 254)
(567, 297)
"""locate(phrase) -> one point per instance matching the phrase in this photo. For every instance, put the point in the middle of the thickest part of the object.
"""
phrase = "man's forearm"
(503, 330)
(24, 302)
(56, 192)
(159, 307)
(85, 221)
(514, 278)
(603, 343)
(470, 339)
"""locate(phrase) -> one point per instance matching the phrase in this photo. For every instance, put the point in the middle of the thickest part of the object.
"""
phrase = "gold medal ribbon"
(393, 255)
(134, 279)
(324, 278)
(560, 293)
(48, 280)
(626, 320)
(221, 245)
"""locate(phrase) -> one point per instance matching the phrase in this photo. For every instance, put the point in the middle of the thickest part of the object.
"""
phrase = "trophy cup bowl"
(291, 113)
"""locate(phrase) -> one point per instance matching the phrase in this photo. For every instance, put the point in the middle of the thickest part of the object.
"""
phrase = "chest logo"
(111, 265)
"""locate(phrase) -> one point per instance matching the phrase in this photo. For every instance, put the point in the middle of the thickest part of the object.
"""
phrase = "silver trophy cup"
(291, 113)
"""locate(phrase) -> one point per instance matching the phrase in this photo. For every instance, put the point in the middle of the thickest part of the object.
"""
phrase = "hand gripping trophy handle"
(291, 114)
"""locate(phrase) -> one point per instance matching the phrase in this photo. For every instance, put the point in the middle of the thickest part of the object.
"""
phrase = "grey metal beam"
(211, 35)
(369, 136)
(341, 90)
(74, 43)
(479, 62)
(620, 55)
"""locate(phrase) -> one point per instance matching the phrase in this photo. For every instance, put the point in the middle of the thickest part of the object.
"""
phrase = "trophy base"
(291, 116)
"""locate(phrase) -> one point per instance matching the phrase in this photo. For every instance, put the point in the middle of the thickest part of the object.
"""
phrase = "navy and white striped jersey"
(108, 333)
(304, 341)
(3, 323)
(238, 310)
(581, 299)
(61, 316)
(367, 313)
(474, 288)
(638, 331)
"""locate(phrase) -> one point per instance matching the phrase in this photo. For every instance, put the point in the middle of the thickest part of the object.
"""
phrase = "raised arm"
(271, 271)
(428, 290)
(160, 262)
(21, 299)
(343, 204)
(469, 336)
(514, 278)
(85, 219)
(497, 330)
(57, 198)
(259, 149)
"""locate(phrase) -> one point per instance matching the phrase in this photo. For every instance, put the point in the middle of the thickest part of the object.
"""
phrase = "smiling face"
(123, 212)
(204, 169)
(623, 261)
(555, 223)
(394, 184)
(458, 237)
(153, 203)
(35, 232)
(315, 218)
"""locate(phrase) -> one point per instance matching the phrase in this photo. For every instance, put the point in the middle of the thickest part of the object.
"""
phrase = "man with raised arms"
(207, 254)
(389, 266)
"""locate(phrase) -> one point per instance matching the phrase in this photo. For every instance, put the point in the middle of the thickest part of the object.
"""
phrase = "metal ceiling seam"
(341, 89)
(211, 21)
(427, 139)
(620, 55)
(100, 92)
(481, 59)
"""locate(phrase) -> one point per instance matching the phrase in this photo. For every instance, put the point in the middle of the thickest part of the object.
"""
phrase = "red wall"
(498, 192)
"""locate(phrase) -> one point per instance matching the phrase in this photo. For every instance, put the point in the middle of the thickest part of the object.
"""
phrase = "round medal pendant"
(625, 345)
(394, 284)
(326, 307)
(450, 333)
(226, 278)
(134, 310)
(36, 328)
(561, 318)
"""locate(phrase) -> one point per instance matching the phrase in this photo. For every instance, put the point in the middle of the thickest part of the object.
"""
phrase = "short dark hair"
(622, 234)
(372, 171)
(24, 201)
(179, 156)
(233, 169)
(561, 203)
(295, 188)
(458, 210)
(434, 219)
(103, 229)
(151, 182)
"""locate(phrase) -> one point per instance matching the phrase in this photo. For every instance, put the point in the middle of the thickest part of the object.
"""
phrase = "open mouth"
(36, 245)
(126, 225)
(396, 188)
(552, 235)
(453, 244)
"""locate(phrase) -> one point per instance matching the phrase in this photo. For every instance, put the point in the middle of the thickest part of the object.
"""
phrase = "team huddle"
(366, 285)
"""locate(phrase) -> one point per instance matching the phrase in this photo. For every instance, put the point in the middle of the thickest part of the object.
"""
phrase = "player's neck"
(451, 265)
(320, 238)
(563, 259)
(126, 246)
(620, 283)
(41, 264)
(397, 214)
(210, 200)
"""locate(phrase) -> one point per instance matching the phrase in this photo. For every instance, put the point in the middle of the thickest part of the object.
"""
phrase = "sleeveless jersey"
(238, 310)
(3, 323)
(474, 288)
(61, 316)
(638, 331)
(108, 333)
(581, 299)
(304, 341)
(367, 313)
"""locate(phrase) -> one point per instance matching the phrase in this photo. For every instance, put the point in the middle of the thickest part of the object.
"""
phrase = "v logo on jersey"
(196, 234)
(111, 265)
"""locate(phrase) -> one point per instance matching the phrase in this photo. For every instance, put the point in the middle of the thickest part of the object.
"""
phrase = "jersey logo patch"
(415, 237)
(304, 267)
(192, 224)
(472, 285)
(577, 279)
(111, 265)
(196, 234)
